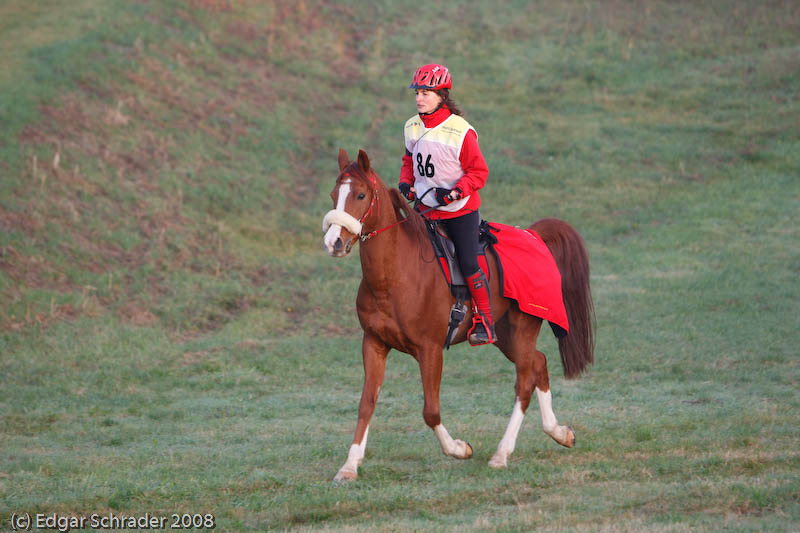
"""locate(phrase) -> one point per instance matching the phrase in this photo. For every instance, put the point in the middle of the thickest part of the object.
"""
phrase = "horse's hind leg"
(509, 441)
(517, 339)
(563, 435)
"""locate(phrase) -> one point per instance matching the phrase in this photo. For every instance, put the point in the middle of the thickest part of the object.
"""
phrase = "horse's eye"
(362, 196)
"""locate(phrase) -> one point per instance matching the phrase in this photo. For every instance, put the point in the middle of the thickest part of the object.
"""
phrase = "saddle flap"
(446, 251)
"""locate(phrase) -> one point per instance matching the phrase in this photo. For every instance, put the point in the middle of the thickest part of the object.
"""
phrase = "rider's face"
(427, 101)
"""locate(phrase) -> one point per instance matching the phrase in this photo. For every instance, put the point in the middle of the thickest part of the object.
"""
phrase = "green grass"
(174, 339)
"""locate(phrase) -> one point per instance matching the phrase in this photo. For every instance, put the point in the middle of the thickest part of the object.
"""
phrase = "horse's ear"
(363, 161)
(344, 159)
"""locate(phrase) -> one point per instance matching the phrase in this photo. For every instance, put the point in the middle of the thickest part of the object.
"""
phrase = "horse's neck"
(386, 256)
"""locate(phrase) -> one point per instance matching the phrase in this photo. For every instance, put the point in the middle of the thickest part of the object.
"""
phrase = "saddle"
(446, 254)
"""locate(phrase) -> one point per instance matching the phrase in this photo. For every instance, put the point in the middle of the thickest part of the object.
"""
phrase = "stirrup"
(480, 333)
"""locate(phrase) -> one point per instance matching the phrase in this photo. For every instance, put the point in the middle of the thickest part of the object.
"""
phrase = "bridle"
(345, 219)
(355, 226)
(374, 201)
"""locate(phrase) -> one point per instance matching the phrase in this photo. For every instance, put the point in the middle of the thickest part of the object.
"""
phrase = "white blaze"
(337, 218)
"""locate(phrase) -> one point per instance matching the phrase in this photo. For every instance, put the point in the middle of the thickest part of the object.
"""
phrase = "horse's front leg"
(374, 353)
(430, 364)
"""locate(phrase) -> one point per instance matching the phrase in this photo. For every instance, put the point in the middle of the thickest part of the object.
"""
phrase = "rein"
(372, 234)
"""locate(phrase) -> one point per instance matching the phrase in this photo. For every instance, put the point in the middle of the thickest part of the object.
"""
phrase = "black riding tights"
(463, 231)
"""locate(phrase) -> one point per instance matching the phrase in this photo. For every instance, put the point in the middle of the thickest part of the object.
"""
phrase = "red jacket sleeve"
(475, 169)
(407, 170)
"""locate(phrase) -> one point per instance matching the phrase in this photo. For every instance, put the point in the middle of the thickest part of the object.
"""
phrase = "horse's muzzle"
(333, 224)
(340, 248)
(335, 245)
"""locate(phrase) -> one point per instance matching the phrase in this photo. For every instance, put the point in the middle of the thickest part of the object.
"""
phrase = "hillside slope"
(164, 152)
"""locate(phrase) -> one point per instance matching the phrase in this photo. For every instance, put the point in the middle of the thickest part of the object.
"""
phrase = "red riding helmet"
(431, 77)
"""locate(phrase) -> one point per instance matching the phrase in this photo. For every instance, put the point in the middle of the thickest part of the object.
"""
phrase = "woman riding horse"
(444, 168)
(396, 268)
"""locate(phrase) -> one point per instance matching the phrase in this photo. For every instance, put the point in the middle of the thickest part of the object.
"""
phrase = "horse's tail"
(569, 252)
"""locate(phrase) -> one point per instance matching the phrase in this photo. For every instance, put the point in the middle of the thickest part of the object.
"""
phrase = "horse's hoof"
(468, 453)
(498, 461)
(571, 439)
(462, 450)
(343, 476)
(564, 435)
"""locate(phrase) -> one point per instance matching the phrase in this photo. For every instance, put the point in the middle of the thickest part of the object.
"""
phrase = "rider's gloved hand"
(405, 190)
(447, 196)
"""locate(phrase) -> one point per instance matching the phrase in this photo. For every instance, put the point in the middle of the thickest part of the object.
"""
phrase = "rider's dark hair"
(449, 102)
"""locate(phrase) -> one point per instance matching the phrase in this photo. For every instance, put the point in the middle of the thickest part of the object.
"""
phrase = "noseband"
(346, 220)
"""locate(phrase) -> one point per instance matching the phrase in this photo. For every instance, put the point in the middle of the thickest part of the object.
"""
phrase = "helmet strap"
(438, 107)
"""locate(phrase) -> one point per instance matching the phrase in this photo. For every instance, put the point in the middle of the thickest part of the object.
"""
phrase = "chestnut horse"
(393, 246)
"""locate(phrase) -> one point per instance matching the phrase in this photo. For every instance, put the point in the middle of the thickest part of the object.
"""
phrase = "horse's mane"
(414, 224)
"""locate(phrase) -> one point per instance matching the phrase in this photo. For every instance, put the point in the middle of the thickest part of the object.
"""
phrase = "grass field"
(173, 339)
